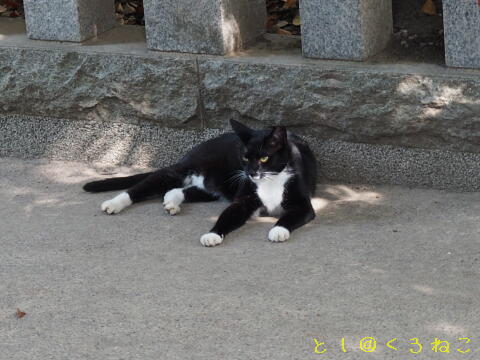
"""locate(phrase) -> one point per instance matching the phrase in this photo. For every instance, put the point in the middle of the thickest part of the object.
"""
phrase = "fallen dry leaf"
(20, 314)
(429, 8)
(290, 4)
(11, 3)
(296, 20)
(283, 32)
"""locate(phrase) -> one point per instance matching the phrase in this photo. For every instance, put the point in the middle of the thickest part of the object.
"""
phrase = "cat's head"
(267, 153)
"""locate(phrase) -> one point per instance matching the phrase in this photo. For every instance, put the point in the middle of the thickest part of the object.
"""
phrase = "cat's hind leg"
(172, 201)
(175, 197)
(117, 204)
(156, 184)
(196, 194)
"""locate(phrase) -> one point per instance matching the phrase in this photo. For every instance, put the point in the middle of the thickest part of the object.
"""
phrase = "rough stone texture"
(346, 104)
(116, 79)
(107, 144)
(462, 33)
(68, 20)
(203, 26)
(345, 29)
(99, 86)
(377, 25)
(383, 164)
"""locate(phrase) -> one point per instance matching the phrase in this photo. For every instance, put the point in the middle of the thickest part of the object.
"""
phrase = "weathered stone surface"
(345, 29)
(90, 86)
(402, 105)
(203, 26)
(462, 33)
(436, 112)
(68, 20)
(108, 144)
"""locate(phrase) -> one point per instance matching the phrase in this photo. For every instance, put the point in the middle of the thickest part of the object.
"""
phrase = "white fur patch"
(211, 239)
(117, 204)
(172, 201)
(270, 191)
(198, 181)
(195, 180)
(278, 234)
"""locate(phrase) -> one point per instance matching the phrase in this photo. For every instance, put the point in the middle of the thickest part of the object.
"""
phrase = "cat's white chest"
(271, 191)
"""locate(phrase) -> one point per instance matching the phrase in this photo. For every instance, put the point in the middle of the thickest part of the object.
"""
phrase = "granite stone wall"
(89, 86)
(107, 144)
(431, 110)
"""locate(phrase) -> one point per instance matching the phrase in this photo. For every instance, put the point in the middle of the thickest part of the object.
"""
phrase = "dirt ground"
(417, 37)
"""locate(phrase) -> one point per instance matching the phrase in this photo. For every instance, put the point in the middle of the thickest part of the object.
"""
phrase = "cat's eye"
(264, 159)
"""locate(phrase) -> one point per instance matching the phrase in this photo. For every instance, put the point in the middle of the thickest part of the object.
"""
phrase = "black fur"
(229, 164)
(120, 183)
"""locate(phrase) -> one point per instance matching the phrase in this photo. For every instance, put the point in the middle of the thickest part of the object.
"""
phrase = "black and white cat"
(268, 172)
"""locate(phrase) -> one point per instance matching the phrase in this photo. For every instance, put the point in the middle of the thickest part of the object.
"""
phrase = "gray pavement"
(380, 261)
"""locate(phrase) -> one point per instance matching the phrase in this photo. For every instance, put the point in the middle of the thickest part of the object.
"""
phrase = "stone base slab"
(110, 144)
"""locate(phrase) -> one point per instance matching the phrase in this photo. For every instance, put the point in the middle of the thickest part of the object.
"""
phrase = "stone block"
(99, 86)
(345, 29)
(203, 26)
(462, 33)
(355, 103)
(68, 20)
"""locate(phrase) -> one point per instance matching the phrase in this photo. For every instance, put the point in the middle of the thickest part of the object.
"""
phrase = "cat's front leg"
(292, 219)
(231, 218)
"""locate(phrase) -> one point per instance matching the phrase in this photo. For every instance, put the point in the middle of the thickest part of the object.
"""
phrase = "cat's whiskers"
(238, 176)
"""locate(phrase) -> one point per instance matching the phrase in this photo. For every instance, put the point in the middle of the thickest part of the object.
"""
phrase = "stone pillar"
(203, 26)
(345, 29)
(461, 19)
(68, 20)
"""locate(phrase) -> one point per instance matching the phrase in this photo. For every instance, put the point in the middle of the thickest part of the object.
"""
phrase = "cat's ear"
(277, 138)
(242, 131)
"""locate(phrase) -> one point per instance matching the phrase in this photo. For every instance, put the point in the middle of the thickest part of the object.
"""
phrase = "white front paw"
(278, 234)
(211, 239)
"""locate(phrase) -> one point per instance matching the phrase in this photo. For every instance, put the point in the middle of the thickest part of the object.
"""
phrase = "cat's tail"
(118, 183)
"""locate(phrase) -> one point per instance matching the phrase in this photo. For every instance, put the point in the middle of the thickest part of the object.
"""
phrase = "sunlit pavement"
(378, 261)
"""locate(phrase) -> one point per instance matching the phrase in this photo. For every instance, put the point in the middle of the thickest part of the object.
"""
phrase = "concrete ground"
(380, 261)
